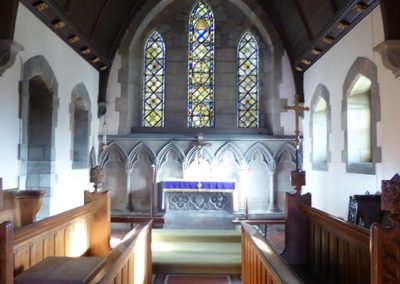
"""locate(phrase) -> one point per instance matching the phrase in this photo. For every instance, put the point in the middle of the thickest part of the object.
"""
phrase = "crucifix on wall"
(298, 177)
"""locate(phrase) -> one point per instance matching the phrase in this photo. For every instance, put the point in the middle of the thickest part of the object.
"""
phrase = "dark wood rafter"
(99, 18)
(67, 5)
(303, 19)
(8, 14)
(334, 5)
(75, 30)
(124, 27)
(391, 18)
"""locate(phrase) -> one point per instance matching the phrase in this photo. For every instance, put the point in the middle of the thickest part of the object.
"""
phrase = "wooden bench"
(320, 248)
(129, 262)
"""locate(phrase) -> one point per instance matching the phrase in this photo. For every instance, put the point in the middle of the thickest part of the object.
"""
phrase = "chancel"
(195, 136)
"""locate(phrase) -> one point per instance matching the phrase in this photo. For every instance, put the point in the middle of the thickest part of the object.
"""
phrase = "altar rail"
(130, 261)
(260, 263)
(81, 231)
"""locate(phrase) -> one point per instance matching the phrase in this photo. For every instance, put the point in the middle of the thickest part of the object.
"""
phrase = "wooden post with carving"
(385, 241)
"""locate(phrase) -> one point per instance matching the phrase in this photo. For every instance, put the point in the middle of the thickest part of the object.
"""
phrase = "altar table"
(197, 195)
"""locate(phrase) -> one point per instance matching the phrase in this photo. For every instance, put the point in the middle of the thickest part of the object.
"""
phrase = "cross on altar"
(297, 109)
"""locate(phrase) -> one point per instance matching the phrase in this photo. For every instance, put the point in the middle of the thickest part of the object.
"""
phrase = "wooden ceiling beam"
(303, 20)
(98, 19)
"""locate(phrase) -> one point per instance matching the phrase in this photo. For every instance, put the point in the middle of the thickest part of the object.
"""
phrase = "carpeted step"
(196, 251)
(169, 235)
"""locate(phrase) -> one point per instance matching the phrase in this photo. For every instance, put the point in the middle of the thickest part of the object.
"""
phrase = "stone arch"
(261, 169)
(194, 152)
(362, 67)
(265, 153)
(112, 160)
(80, 123)
(290, 150)
(141, 166)
(39, 112)
(172, 156)
(131, 52)
(320, 92)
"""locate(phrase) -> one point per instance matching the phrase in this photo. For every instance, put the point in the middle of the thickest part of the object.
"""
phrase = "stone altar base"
(199, 219)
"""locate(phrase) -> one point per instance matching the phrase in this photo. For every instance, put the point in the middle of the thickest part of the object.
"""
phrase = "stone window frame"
(80, 92)
(363, 66)
(321, 91)
(36, 66)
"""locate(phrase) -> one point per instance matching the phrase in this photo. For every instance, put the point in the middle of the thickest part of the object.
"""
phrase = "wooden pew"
(81, 231)
(260, 263)
(130, 261)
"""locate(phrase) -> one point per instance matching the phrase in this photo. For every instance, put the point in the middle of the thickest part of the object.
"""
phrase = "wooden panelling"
(66, 234)
(130, 261)
(260, 263)
(6, 261)
(339, 250)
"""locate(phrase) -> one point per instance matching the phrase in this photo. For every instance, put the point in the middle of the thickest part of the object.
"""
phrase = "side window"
(247, 76)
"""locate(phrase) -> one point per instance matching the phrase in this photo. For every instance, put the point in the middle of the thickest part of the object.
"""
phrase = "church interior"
(199, 141)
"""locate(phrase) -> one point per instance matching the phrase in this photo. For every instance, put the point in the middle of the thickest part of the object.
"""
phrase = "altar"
(197, 203)
(181, 194)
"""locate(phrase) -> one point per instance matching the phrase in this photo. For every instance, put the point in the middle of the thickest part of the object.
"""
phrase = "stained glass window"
(154, 78)
(247, 81)
(201, 67)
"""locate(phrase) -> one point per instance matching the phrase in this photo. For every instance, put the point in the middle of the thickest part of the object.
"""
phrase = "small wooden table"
(60, 269)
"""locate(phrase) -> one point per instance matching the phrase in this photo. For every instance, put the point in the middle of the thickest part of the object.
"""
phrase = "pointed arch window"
(247, 53)
(154, 81)
(359, 121)
(201, 67)
(320, 132)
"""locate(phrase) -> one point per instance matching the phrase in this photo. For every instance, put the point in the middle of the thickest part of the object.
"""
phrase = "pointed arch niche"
(113, 161)
(320, 128)
(141, 180)
(360, 114)
(39, 109)
(80, 113)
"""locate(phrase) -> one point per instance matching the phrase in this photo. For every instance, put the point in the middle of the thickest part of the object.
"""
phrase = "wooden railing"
(338, 250)
(130, 261)
(260, 264)
(73, 233)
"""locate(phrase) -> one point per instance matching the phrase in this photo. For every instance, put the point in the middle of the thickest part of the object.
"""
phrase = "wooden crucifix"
(298, 177)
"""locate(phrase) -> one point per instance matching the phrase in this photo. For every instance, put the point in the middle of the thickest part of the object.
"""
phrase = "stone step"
(173, 235)
(196, 251)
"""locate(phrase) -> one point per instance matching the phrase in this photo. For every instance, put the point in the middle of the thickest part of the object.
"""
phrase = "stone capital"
(390, 53)
(8, 51)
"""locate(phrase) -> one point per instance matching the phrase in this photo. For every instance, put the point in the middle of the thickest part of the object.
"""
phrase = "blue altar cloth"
(195, 186)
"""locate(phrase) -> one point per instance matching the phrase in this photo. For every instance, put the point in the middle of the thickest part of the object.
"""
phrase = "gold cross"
(297, 109)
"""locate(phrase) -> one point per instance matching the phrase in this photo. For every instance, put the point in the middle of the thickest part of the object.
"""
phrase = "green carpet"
(196, 251)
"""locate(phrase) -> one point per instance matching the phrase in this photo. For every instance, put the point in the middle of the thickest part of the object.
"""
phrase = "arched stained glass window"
(247, 81)
(201, 67)
(154, 81)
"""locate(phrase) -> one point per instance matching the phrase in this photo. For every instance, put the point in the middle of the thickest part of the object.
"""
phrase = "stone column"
(272, 204)
(241, 198)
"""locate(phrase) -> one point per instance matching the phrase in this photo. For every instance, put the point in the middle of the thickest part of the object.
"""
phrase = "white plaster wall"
(287, 91)
(331, 189)
(113, 92)
(69, 69)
